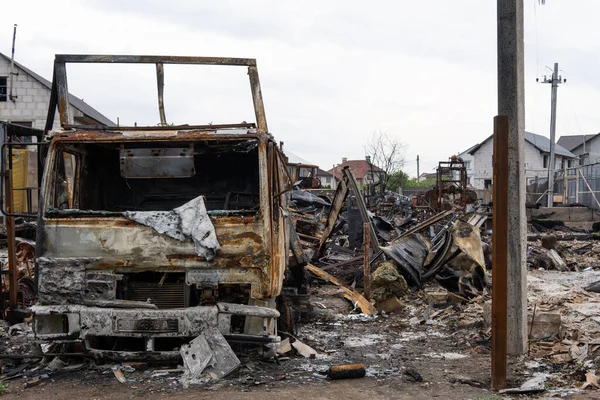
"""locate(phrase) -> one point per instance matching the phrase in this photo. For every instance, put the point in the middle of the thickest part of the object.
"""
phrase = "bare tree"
(385, 153)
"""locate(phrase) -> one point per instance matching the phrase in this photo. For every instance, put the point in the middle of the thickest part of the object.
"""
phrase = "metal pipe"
(12, 65)
(160, 81)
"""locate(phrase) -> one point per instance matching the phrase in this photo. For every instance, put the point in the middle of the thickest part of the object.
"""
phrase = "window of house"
(468, 164)
(487, 183)
(3, 88)
(545, 161)
(569, 163)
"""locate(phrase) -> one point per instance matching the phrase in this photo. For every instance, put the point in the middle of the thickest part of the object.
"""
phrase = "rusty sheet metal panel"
(121, 245)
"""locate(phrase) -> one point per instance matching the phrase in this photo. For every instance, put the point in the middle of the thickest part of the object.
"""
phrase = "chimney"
(344, 159)
(368, 158)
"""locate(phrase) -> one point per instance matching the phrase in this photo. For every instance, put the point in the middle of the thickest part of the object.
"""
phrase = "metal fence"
(582, 187)
(578, 185)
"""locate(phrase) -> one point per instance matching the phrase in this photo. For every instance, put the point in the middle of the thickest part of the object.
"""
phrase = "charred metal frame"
(267, 232)
(9, 131)
(59, 95)
(452, 185)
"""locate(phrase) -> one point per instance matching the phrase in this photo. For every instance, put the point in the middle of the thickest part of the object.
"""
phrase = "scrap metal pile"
(407, 246)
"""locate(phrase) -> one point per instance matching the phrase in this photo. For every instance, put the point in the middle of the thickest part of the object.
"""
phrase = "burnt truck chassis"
(83, 256)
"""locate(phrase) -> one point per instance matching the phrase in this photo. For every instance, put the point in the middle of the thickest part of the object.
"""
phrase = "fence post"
(565, 191)
(577, 187)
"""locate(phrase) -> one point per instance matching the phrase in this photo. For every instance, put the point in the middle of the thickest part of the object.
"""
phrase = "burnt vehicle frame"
(89, 250)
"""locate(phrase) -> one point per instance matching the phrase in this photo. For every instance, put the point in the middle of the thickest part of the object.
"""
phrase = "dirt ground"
(447, 344)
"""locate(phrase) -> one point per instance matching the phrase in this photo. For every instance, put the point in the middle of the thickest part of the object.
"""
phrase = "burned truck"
(148, 237)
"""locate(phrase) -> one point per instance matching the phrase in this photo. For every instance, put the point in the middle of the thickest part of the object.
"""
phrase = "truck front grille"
(167, 295)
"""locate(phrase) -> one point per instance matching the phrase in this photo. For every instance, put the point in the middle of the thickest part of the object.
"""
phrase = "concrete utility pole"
(511, 102)
(418, 168)
(554, 81)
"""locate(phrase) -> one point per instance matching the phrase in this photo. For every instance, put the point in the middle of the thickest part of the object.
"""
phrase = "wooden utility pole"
(511, 102)
(499, 253)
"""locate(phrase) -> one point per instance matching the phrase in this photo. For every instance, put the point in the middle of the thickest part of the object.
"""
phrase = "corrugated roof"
(542, 143)
(73, 100)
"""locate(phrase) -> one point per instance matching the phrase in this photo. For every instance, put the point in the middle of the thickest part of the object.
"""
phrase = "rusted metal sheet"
(125, 246)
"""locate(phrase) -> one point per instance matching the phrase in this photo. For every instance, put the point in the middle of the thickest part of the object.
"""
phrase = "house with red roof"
(364, 171)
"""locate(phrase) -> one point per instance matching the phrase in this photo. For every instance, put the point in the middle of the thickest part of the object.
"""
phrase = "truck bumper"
(145, 333)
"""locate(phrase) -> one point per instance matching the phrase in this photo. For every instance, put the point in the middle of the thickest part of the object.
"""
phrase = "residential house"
(327, 179)
(537, 159)
(468, 159)
(31, 96)
(586, 147)
(300, 168)
(364, 171)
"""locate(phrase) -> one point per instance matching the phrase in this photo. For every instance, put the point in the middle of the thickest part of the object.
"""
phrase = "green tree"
(397, 180)
(415, 183)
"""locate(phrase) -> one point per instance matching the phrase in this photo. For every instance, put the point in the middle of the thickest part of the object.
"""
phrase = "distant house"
(364, 171)
(310, 173)
(300, 168)
(327, 179)
(426, 175)
(537, 159)
(585, 147)
(469, 161)
(31, 97)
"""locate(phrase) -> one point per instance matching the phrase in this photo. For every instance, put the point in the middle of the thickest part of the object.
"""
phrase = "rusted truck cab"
(149, 236)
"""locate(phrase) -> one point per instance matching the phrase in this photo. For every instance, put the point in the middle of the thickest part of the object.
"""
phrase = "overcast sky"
(332, 72)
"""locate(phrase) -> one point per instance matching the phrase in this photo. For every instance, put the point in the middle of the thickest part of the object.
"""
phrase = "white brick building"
(31, 96)
(537, 158)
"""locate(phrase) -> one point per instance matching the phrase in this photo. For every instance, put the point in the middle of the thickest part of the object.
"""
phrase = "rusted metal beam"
(10, 236)
(160, 83)
(158, 128)
(62, 93)
(52, 105)
(500, 253)
(334, 212)
(141, 59)
(259, 107)
(367, 263)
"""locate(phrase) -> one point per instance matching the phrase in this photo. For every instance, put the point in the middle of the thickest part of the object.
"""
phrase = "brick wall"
(534, 163)
(32, 100)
